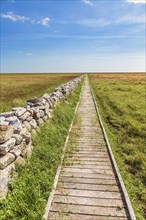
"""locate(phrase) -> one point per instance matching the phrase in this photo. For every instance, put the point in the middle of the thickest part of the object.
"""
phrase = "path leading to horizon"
(87, 186)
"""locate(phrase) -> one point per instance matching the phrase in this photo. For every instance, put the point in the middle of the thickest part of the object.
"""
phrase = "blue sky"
(73, 35)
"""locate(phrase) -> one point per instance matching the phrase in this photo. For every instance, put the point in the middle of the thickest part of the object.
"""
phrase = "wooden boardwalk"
(87, 187)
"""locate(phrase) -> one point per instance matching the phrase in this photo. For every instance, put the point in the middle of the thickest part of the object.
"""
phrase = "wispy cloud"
(24, 53)
(136, 1)
(19, 18)
(88, 2)
(45, 21)
(13, 17)
(93, 22)
(125, 19)
(129, 19)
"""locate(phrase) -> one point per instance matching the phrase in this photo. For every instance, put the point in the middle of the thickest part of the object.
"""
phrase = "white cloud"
(93, 22)
(45, 21)
(19, 18)
(88, 2)
(137, 1)
(129, 19)
(13, 17)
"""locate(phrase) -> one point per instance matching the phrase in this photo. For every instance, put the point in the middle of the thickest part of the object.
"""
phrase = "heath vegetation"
(15, 89)
(122, 105)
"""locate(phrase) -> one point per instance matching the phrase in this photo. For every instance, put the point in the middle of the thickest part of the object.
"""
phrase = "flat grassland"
(121, 99)
(15, 89)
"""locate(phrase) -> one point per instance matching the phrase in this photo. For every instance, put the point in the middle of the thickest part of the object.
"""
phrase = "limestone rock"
(18, 138)
(30, 111)
(27, 151)
(7, 114)
(47, 107)
(26, 135)
(7, 146)
(29, 118)
(5, 123)
(6, 160)
(27, 125)
(17, 127)
(25, 116)
(33, 124)
(11, 119)
(42, 114)
(5, 177)
(2, 120)
(15, 151)
(40, 122)
(38, 115)
(45, 118)
(42, 101)
(42, 107)
(21, 146)
(5, 133)
(20, 161)
(46, 96)
(33, 100)
(19, 111)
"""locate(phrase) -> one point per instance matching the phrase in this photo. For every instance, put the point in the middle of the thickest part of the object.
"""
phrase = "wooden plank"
(90, 154)
(90, 166)
(88, 193)
(88, 171)
(89, 210)
(100, 163)
(87, 175)
(91, 148)
(92, 160)
(68, 216)
(88, 150)
(87, 180)
(85, 186)
(88, 157)
(88, 201)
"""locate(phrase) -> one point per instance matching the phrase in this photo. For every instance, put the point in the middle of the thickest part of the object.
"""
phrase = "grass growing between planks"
(122, 104)
(28, 195)
(15, 89)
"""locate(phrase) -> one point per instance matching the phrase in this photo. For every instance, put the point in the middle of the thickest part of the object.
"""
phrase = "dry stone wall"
(17, 126)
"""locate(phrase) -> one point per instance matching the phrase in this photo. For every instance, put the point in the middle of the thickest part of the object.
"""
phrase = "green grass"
(15, 89)
(122, 104)
(27, 197)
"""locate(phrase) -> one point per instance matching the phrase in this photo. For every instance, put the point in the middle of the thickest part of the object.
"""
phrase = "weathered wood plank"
(88, 171)
(87, 175)
(89, 210)
(88, 193)
(88, 180)
(86, 186)
(90, 166)
(68, 216)
(88, 201)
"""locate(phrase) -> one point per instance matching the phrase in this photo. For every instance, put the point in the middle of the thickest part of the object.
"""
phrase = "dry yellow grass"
(15, 89)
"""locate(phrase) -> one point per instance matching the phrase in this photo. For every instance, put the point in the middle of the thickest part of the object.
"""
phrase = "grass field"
(15, 89)
(121, 99)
